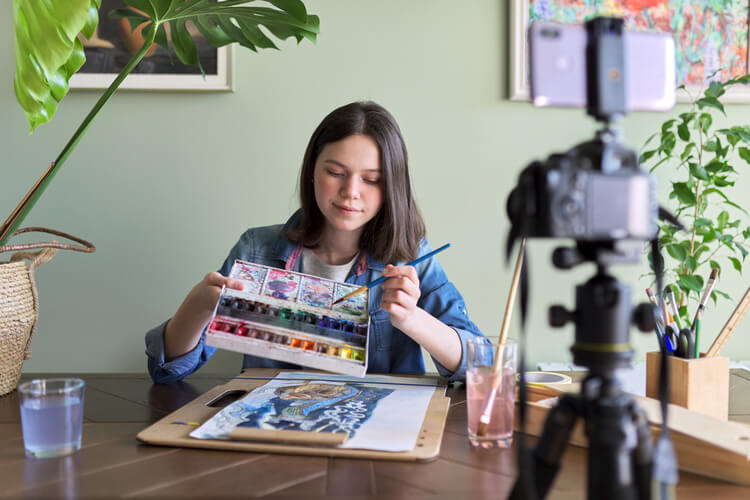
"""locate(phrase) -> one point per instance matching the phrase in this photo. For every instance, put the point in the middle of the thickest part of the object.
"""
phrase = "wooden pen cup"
(700, 385)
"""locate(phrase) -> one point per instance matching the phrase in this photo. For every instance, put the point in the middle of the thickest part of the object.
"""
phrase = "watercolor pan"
(289, 316)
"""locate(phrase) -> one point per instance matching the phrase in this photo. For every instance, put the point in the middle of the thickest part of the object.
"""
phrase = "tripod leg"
(551, 446)
(643, 454)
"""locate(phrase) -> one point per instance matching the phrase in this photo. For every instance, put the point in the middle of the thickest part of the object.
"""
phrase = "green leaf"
(736, 263)
(688, 149)
(718, 292)
(714, 90)
(710, 102)
(721, 181)
(742, 250)
(683, 193)
(692, 282)
(183, 44)
(683, 132)
(704, 122)
(691, 263)
(48, 52)
(687, 117)
(711, 146)
(743, 132)
(676, 252)
(731, 136)
(646, 155)
(668, 142)
(698, 172)
(744, 154)
(722, 219)
(667, 125)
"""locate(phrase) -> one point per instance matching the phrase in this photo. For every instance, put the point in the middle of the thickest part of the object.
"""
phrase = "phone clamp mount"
(621, 454)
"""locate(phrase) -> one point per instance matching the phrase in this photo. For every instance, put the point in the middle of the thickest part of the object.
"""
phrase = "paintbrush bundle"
(288, 316)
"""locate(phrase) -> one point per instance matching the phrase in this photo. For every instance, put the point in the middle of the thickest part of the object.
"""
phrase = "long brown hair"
(393, 235)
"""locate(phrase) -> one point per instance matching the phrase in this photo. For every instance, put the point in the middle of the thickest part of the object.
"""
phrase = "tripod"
(620, 449)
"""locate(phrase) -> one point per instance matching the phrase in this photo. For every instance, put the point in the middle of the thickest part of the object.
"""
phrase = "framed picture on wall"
(114, 44)
(711, 38)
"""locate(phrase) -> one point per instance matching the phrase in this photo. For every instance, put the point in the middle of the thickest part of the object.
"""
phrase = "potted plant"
(707, 160)
(49, 51)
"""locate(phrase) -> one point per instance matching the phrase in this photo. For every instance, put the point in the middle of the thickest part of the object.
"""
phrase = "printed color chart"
(291, 317)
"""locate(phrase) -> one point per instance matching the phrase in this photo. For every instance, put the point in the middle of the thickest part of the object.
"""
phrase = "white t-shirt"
(311, 264)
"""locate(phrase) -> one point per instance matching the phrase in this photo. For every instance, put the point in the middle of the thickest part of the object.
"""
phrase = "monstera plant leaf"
(48, 51)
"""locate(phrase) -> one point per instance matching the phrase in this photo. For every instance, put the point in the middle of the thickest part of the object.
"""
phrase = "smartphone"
(557, 60)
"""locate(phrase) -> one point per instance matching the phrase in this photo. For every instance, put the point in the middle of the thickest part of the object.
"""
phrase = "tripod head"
(602, 316)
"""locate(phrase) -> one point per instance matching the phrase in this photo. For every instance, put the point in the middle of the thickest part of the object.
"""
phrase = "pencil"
(486, 416)
(383, 278)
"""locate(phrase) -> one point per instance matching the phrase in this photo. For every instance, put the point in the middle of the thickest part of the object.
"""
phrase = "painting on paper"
(282, 284)
(315, 406)
(356, 305)
(316, 292)
(252, 276)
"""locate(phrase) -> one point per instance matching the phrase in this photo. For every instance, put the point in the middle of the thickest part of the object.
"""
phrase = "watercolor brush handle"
(707, 292)
(730, 325)
(485, 417)
(383, 278)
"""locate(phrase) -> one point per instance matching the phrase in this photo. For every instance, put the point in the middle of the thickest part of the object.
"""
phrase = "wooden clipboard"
(175, 428)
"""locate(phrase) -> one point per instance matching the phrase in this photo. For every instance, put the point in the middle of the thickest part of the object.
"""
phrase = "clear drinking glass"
(51, 416)
(490, 399)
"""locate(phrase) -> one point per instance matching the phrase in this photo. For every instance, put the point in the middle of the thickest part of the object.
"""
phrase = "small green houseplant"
(707, 160)
(48, 51)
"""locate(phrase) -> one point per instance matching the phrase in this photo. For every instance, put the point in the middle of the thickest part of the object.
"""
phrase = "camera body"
(594, 192)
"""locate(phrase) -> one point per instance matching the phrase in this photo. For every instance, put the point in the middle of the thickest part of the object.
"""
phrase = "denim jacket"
(389, 349)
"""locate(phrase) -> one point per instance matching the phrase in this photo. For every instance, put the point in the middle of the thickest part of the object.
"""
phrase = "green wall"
(164, 182)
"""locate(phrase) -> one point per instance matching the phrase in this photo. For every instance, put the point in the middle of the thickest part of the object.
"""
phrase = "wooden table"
(113, 464)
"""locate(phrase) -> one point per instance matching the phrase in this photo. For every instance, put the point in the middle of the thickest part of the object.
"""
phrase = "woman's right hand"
(184, 330)
(206, 293)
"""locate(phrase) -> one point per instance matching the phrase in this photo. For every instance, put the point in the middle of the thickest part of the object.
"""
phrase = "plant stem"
(19, 214)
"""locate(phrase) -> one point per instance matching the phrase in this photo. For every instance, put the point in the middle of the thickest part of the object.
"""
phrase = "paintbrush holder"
(700, 385)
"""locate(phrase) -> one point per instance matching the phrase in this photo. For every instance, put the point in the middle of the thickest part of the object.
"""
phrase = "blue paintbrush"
(383, 278)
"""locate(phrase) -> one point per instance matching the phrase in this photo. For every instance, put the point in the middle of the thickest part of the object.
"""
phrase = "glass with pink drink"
(490, 395)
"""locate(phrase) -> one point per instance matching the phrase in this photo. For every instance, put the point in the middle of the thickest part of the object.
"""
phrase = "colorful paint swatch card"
(291, 317)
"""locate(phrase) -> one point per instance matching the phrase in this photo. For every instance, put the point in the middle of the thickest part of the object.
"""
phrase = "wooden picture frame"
(518, 74)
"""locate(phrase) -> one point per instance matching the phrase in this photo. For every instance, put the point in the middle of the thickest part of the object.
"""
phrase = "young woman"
(358, 220)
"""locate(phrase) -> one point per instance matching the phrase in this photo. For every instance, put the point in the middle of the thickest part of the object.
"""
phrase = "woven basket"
(19, 305)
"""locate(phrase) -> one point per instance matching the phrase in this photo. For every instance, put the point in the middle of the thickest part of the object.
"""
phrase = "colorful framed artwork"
(114, 43)
(711, 38)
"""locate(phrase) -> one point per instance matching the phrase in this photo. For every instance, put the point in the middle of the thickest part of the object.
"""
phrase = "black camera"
(593, 192)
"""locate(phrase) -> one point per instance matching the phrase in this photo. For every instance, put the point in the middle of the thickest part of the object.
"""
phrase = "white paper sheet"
(378, 412)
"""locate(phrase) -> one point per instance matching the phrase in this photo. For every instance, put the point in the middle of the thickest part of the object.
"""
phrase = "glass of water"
(51, 416)
(490, 396)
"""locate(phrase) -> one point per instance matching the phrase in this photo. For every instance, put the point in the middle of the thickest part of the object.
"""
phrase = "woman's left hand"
(400, 295)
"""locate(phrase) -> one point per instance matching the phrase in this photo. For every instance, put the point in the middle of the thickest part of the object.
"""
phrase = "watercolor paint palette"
(289, 316)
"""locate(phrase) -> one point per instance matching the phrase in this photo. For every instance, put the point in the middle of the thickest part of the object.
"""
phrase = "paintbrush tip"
(482, 429)
(714, 273)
